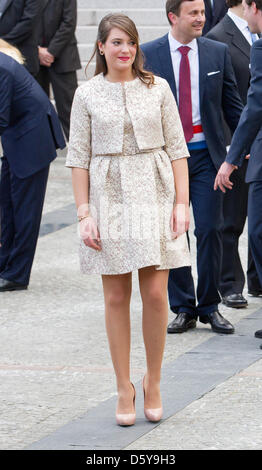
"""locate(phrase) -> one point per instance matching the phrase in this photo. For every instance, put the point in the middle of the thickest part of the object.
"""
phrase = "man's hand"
(222, 179)
(45, 57)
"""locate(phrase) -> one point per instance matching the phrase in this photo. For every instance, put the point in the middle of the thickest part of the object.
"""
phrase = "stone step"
(142, 17)
(111, 4)
(84, 74)
(87, 35)
(85, 51)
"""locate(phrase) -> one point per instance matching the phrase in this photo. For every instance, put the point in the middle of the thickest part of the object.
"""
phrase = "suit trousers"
(255, 225)
(207, 211)
(64, 86)
(21, 204)
(235, 213)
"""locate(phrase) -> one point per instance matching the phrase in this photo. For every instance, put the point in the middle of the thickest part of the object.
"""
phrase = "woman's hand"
(180, 220)
(89, 233)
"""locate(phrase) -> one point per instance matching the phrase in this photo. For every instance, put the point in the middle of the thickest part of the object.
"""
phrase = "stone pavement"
(57, 381)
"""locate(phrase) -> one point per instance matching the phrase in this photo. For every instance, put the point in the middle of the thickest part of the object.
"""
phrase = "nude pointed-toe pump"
(127, 419)
(152, 414)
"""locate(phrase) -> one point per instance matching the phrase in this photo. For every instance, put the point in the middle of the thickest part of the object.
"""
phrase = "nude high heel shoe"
(152, 414)
(127, 419)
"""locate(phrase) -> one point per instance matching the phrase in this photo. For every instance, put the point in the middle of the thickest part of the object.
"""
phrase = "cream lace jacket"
(97, 119)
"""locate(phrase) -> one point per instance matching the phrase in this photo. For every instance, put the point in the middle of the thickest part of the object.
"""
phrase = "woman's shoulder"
(85, 88)
(160, 87)
(162, 82)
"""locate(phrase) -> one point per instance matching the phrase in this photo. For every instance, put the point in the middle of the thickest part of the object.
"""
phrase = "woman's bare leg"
(153, 288)
(117, 295)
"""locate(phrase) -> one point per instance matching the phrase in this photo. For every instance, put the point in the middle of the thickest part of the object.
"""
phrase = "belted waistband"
(158, 149)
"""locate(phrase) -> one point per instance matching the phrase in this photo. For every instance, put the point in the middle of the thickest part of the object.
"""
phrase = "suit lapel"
(238, 39)
(165, 60)
(243, 45)
(216, 10)
(204, 60)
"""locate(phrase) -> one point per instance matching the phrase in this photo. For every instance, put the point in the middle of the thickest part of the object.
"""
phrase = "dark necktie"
(253, 36)
(2, 6)
(185, 102)
(211, 6)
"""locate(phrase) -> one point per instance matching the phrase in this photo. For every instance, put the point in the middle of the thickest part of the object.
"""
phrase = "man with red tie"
(200, 74)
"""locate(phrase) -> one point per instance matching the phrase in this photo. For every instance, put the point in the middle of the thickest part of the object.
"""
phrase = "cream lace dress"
(131, 197)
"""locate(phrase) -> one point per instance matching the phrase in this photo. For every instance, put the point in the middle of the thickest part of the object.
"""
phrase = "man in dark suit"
(58, 55)
(248, 139)
(31, 133)
(209, 78)
(18, 26)
(215, 10)
(233, 30)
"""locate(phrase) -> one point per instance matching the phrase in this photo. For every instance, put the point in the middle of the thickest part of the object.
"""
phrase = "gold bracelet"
(82, 217)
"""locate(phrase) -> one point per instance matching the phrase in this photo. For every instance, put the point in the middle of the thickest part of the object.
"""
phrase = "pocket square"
(213, 73)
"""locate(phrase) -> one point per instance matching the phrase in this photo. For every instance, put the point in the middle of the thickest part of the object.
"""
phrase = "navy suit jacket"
(29, 126)
(217, 83)
(248, 136)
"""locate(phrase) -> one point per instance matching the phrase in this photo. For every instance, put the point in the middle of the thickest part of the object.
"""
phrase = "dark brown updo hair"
(123, 22)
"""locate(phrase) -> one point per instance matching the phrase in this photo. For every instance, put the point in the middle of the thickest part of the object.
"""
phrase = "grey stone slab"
(229, 417)
(146, 4)
(58, 219)
(146, 33)
(90, 17)
(184, 380)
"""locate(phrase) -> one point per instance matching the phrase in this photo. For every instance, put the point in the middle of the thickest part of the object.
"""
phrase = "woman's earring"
(101, 53)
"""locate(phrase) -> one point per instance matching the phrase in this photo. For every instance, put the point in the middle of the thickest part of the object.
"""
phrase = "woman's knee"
(155, 297)
(117, 296)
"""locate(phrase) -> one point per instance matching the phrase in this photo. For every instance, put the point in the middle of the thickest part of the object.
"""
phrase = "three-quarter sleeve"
(175, 144)
(79, 147)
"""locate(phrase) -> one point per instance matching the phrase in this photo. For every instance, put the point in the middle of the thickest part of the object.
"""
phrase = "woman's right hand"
(89, 233)
(180, 220)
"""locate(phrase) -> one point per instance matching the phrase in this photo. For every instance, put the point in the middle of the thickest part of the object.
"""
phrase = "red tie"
(185, 102)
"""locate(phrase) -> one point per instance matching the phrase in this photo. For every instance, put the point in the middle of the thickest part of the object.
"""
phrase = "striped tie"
(253, 36)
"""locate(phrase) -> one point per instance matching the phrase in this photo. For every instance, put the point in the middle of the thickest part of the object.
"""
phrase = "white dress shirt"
(242, 25)
(194, 73)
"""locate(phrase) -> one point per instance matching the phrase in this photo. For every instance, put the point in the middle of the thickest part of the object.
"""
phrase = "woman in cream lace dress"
(129, 169)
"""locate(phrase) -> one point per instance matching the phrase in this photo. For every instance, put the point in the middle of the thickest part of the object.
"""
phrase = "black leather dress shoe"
(10, 285)
(181, 323)
(255, 293)
(258, 334)
(218, 323)
(234, 301)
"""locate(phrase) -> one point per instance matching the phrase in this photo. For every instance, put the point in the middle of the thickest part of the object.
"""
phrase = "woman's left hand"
(180, 220)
